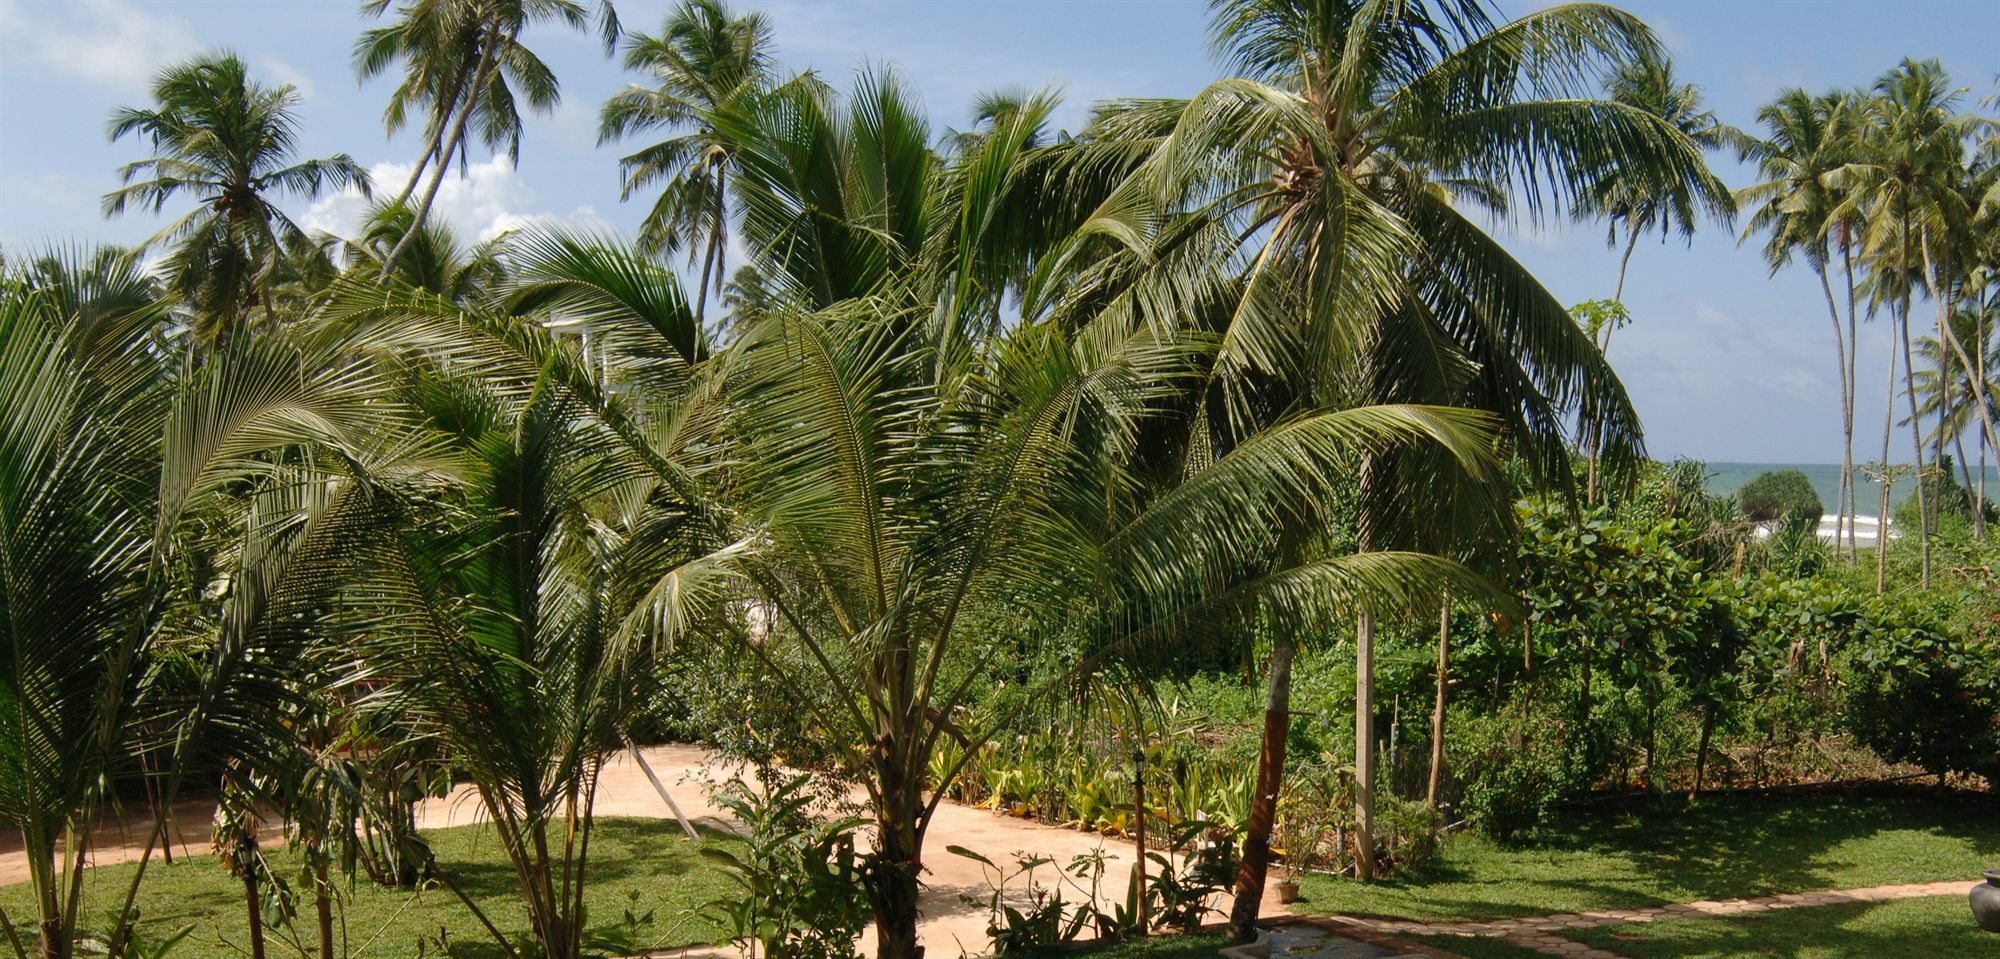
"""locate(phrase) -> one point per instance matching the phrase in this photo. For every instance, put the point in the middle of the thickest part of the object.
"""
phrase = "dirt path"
(949, 927)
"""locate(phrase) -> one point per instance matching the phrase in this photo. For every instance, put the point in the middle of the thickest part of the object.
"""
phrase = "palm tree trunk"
(488, 62)
(1618, 291)
(253, 905)
(1853, 398)
(707, 269)
(1916, 436)
(1845, 492)
(1888, 477)
(434, 145)
(323, 904)
(1256, 859)
(1949, 336)
(1364, 747)
(1437, 711)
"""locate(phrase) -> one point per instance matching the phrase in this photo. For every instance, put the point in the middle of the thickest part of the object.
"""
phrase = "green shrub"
(1781, 495)
(1916, 695)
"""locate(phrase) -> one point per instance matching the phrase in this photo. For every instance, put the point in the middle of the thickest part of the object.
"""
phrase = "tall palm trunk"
(1948, 335)
(1603, 347)
(1845, 493)
(1888, 477)
(488, 62)
(1853, 397)
(434, 136)
(1916, 435)
(1437, 711)
(1256, 858)
(1364, 747)
(711, 261)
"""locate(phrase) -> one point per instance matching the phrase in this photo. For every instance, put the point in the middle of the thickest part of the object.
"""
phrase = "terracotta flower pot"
(1986, 902)
(1288, 891)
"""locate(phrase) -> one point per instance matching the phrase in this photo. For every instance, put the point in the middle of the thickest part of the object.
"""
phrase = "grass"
(1720, 848)
(1158, 946)
(1938, 926)
(637, 864)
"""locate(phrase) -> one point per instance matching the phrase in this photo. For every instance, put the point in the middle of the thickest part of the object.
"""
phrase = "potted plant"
(1294, 839)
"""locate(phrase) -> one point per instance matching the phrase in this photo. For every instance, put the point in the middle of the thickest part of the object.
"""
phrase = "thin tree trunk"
(1437, 711)
(1950, 337)
(1853, 397)
(446, 106)
(1364, 747)
(488, 62)
(1888, 477)
(254, 906)
(1618, 291)
(1916, 439)
(1256, 861)
(1701, 751)
(1845, 492)
(323, 902)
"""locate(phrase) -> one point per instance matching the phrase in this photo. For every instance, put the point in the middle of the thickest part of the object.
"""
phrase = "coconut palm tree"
(1801, 144)
(704, 58)
(900, 461)
(1340, 164)
(460, 57)
(437, 261)
(1632, 200)
(1906, 184)
(228, 141)
(130, 458)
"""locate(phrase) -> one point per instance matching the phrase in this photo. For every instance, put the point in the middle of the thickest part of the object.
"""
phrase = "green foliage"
(798, 886)
(1781, 495)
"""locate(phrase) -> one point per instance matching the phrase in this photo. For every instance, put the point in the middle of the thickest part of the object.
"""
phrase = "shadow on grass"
(1652, 853)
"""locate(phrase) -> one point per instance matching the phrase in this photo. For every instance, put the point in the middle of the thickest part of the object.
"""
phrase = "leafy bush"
(1781, 495)
(1915, 695)
(799, 885)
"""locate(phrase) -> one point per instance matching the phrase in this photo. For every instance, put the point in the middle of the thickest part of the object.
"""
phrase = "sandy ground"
(950, 927)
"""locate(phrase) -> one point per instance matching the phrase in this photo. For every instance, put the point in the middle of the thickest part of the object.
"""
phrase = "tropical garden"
(1209, 478)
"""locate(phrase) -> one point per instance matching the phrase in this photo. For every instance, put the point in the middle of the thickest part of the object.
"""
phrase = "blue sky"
(1725, 363)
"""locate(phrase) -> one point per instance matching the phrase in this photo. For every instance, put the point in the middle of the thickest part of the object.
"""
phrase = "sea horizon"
(1727, 478)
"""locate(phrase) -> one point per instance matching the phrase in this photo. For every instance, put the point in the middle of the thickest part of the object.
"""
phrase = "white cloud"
(110, 43)
(275, 71)
(488, 200)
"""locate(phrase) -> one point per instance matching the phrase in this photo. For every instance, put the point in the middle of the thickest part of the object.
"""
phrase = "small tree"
(1781, 495)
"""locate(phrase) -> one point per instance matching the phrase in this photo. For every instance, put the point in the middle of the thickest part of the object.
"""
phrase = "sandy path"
(949, 927)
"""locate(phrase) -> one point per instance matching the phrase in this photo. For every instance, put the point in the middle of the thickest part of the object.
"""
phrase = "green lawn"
(1162, 946)
(1718, 849)
(1938, 926)
(645, 857)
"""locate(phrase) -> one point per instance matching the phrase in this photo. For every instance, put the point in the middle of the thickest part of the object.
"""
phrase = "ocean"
(1825, 477)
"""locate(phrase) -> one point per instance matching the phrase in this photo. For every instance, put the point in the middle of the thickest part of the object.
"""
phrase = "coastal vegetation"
(1209, 476)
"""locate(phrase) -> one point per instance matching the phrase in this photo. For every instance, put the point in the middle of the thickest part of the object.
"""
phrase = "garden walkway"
(1541, 933)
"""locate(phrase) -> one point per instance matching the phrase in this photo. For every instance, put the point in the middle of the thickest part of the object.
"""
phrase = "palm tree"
(704, 59)
(1906, 185)
(1948, 395)
(1632, 199)
(459, 57)
(903, 464)
(229, 142)
(128, 457)
(1340, 166)
(1802, 144)
(436, 261)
